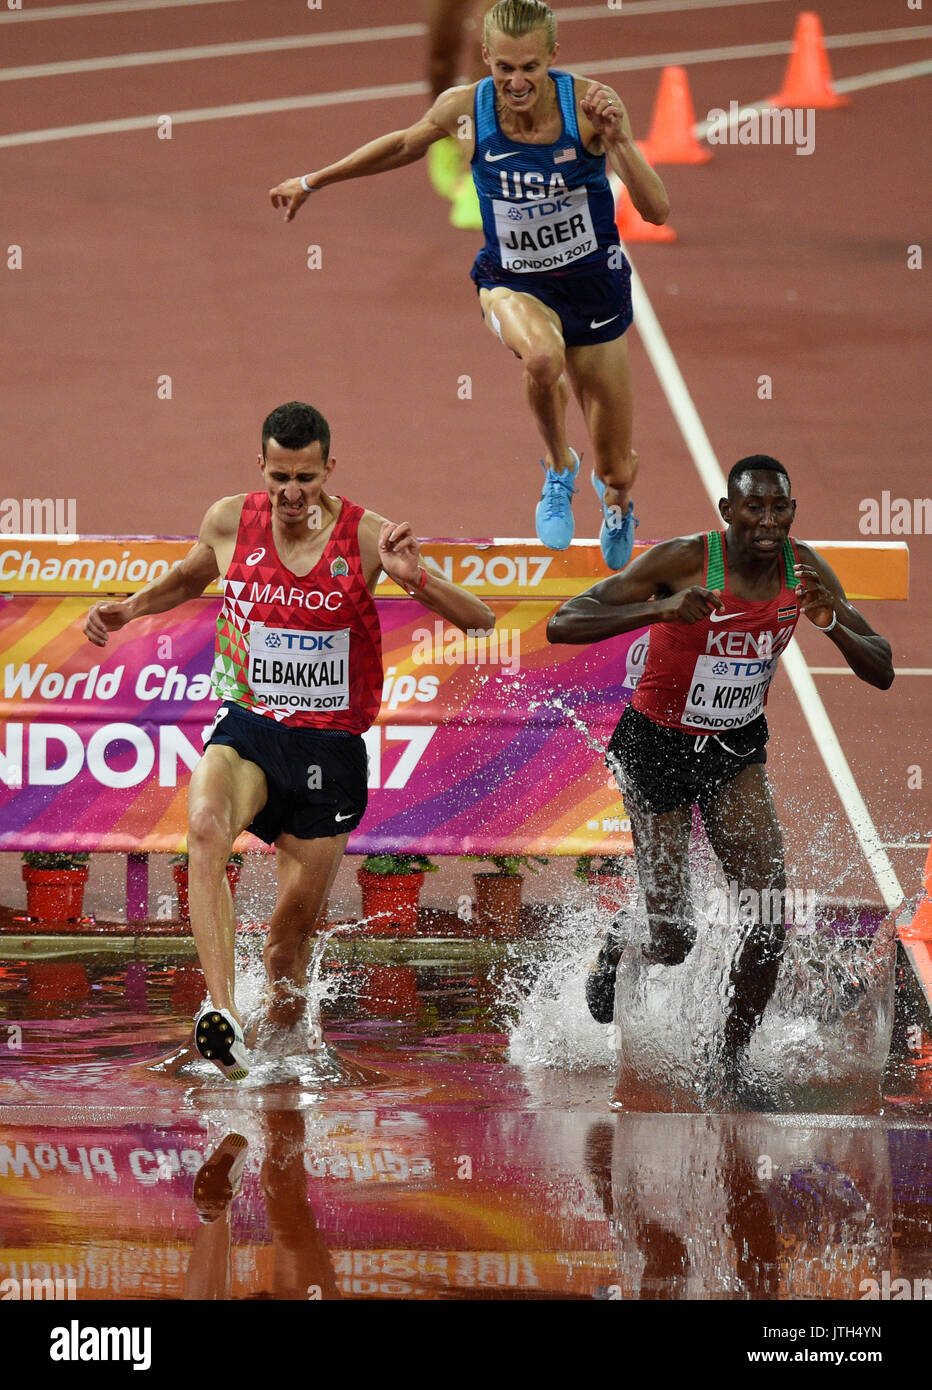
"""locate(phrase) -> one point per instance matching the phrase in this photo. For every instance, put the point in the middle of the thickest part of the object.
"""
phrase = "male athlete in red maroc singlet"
(722, 607)
(298, 666)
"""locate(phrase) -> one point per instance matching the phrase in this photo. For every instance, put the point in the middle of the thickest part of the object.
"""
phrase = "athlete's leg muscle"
(534, 333)
(601, 380)
(661, 849)
(743, 829)
(225, 794)
(306, 870)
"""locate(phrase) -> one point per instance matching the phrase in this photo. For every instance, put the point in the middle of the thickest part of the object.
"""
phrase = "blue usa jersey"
(544, 207)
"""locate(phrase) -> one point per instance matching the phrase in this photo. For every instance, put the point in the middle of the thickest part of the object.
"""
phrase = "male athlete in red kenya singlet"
(721, 609)
(298, 666)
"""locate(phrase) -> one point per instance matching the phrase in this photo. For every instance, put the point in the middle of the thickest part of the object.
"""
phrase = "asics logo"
(723, 617)
(255, 557)
(494, 158)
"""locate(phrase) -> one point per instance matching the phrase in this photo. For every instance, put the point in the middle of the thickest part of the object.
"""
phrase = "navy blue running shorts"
(317, 778)
(659, 769)
(593, 304)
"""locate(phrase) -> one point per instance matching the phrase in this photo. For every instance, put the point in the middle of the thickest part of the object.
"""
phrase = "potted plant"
(391, 891)
(179, 863)
(498, 893)
(55, 884)
(614, 878)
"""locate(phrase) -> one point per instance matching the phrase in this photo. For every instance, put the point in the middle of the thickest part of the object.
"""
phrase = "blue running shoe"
(617, 535)
(554, 515)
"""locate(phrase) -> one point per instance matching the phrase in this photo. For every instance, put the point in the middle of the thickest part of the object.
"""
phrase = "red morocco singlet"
(307, 650)
(711, 676)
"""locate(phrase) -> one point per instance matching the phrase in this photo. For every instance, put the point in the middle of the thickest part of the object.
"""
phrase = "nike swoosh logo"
(349, 816)
(723, 617)
(602, 322)
(494, 158)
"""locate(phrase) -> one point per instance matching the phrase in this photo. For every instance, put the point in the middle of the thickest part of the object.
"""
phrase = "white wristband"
(831, 624)
(306, 186)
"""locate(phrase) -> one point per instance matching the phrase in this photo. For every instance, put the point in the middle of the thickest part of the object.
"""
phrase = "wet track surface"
(413, 1157)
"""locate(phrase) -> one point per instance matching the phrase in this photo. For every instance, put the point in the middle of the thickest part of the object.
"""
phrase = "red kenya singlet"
(705, 678)
(306, 650)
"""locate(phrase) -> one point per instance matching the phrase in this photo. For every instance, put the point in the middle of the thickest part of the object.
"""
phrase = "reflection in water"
(412, 1157)
(749, 1207)
(301, 1265)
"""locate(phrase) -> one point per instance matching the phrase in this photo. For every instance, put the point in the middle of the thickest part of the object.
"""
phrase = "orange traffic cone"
(808, 80)
(631, 225)
(671, 139)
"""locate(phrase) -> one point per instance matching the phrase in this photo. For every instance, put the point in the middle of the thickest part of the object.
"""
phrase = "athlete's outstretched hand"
(606, 112)
(398, 551)
(691, 605)
(289, 193)
(103, 619)
(814, 599)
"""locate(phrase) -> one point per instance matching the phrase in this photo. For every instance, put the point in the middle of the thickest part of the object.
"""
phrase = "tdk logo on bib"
(277, 640)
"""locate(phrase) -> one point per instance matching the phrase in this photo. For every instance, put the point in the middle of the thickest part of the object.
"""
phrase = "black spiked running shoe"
(219, 1038)
(600, 982)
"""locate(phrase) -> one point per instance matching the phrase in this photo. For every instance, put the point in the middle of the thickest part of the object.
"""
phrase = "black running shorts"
(317, 778)
(660, 769)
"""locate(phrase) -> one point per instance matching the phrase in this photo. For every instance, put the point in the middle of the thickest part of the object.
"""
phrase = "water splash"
(553, 1027)
(296, 1053)
(821, 1045)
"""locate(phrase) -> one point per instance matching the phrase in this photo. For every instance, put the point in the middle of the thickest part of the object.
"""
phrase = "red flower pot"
(180, 875)
(54, 895)
(57, 979)
(614, 891)
(390, 902)
(498, 905)
(390, 991)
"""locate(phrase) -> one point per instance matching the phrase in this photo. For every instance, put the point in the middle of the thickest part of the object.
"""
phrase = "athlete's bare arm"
(604, 126)
(394, 548)
(392, 151)
(661, 586)
(820, 596)
(208, 558)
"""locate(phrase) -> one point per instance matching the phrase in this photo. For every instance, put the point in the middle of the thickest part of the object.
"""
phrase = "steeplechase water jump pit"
(449, 1123)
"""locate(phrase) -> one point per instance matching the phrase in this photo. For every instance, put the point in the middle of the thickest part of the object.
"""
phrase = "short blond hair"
(515, 18)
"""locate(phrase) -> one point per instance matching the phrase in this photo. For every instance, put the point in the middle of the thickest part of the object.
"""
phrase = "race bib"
(725, 693)
(298, 670)
(544, 235)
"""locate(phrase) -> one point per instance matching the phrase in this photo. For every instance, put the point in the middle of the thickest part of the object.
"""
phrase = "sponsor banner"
(490, 568)
(481, 743)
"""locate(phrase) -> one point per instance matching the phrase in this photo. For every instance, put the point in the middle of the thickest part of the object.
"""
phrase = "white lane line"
(214, 113)
(749, 50)
(113, 7)
(629, 8)
(713, 479)
(846, 670)
(280, 104)
(330, 38)
(909, 844)
(900, 74)
(845, 84)
(632, 8)
(203, 52)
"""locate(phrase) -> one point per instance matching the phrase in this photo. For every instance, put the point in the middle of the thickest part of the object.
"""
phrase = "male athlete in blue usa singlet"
(553, 283)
